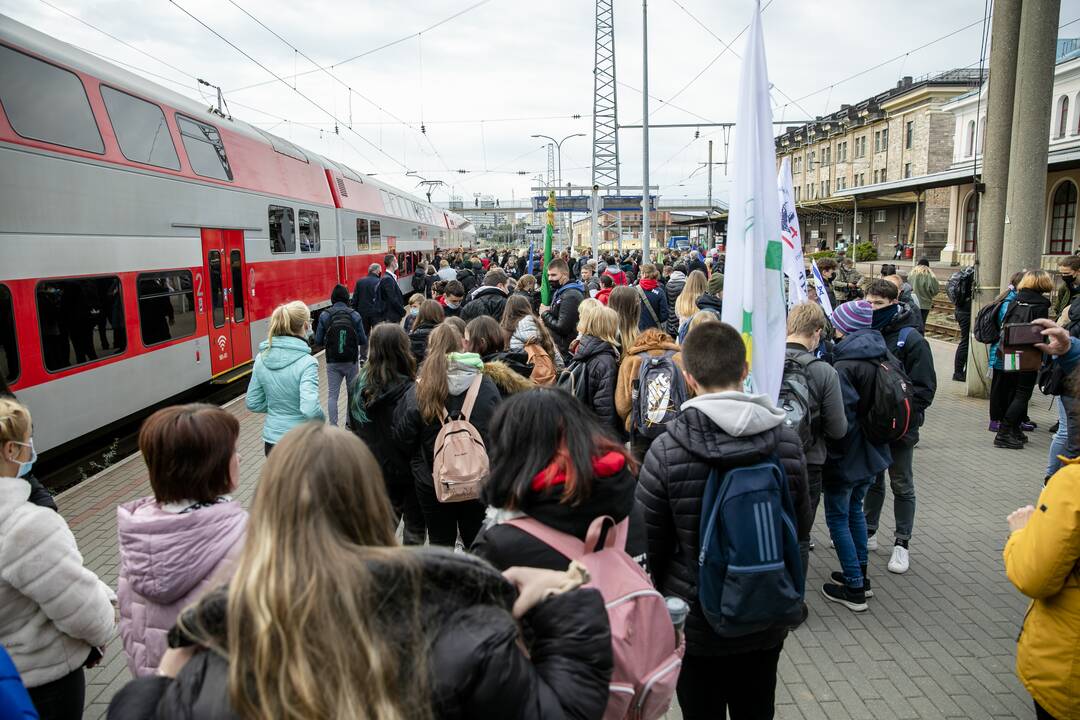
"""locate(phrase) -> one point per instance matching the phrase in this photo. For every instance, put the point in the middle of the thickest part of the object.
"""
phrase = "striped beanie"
(853, 315)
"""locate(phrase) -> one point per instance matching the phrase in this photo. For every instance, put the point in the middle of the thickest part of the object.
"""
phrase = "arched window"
(1063, 219)
(970, 143)
(971, 222)
(1063, 115)
(982, 134)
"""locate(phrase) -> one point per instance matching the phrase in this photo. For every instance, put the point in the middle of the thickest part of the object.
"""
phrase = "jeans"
(1067, 439)
(963, 319)
(742, 685)
(60, 699)
(813, 480)
(902, 480)
(847, 526)
(335, 374)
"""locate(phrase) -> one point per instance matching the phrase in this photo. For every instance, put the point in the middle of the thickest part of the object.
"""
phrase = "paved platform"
(938, 642)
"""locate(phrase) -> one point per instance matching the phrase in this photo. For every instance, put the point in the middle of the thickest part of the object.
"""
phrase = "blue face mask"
(24, 468)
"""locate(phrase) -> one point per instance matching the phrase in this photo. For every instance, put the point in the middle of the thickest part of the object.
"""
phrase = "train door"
(227, 310)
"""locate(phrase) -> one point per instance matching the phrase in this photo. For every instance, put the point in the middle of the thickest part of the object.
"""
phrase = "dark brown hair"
(714, 354)
(883, 289)
(485, 336)
(188, 450)
(431, 313)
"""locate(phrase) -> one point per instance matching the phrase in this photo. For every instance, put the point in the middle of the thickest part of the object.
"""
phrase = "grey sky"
(522, 68)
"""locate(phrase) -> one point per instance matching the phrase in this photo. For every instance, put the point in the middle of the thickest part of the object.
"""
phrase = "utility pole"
(605, 151)
(645, 249)
(708, 211)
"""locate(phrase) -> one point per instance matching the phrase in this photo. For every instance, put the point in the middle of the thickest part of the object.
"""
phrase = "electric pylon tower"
(551, 165)
(605, 154)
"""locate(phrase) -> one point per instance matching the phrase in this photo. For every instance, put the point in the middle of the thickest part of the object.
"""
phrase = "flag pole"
(549, 233)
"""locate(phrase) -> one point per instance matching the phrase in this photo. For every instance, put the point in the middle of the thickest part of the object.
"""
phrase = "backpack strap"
(648, 305)
(470, 396)
(570, 546)
(902, 338)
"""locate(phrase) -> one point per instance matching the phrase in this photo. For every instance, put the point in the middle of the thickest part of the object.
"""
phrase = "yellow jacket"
(1042, 562)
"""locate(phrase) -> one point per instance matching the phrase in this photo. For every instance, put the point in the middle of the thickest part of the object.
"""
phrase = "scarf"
(884, 316)
(648, 284)
(554, 474)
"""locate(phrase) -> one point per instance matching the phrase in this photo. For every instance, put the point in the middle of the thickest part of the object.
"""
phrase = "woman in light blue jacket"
(285, 381)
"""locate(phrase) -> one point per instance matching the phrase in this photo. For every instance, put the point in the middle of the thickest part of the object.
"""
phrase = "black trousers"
(60, 699)
(1016, 412)
(1041, 714)
(403, 499)
(925, 314)
(446, 520)
(1004, 387)
(267, 447)
(963, 319)
(742, 685)
(813, 478)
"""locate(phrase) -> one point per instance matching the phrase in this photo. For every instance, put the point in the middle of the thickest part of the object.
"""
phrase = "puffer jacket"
(612, 495)
(562, 318)
(596, 364)
(675, 284)
(716, 431)
(525, 331)
(855, 458)
(15, 703)
(418, 340)
(167, 560)
(487, 300)
(1043, 562)
(653, 342)
(52, 609)
(918, 361)
(825, 396)
(284, 385)
(478, 667)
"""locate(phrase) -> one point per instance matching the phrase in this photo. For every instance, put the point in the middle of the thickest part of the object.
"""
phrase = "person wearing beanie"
(853, 461)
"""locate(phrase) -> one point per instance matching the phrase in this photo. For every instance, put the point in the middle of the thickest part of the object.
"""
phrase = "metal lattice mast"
(551, 165)
(605, 157)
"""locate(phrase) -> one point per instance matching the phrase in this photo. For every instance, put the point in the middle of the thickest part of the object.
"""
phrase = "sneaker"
(871, 542)
(994, 426)
(1054, 428)
(814, 545)
(838, 577)
(1028, 425)
(1006, 439)
(854, 600)
(832, 545)
(959, 377)
(900, 561)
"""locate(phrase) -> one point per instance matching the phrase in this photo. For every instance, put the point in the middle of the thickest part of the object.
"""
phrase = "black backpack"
(890, 413)
(419, 283)
(958, 289)
(986, 328)
(342, 343)
(796, 400)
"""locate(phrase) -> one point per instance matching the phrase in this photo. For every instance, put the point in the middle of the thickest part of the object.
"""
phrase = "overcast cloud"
(520, 68)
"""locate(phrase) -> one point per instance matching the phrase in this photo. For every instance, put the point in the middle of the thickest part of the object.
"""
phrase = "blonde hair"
(288, 319)
(319, 521)
(587, 307)
(15, 421)
(602, 323)
(625, 302)
(702, 318)
(805, 319)
(695, 287)
(920, 270)
(432, 384)
(1037, 280)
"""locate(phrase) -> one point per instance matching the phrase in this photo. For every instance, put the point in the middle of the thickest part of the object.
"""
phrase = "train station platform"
(937, 642)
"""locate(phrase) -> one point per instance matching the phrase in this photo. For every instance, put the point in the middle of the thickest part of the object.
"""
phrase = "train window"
(217, 292)
(237, 265)
(376, 234)
(81, 320)
(387, 207)
(283, 146)
(166, 306)
(140, 129)
(309, 231)
(363, 239)
(205, 149)
(9, 352)
(47, 103)
(282, 239)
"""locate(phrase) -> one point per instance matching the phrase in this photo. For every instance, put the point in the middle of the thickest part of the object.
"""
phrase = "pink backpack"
(647, 656)
(461, 462)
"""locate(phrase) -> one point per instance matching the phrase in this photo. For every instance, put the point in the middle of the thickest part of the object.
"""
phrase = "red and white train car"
(144, 241)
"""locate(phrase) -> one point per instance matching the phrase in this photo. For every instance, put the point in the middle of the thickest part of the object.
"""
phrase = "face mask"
(453, 305)
(554, 284)
(414, 311)
(1069, 280)
(24, 468)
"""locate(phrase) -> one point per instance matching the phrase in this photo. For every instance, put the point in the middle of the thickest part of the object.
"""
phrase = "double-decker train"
(145, 240)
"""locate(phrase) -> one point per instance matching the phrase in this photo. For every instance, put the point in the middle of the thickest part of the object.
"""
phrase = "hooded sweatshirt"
(284, 385)
(167, 560)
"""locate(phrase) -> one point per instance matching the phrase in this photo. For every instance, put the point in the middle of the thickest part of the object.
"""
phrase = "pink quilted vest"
(647, 654)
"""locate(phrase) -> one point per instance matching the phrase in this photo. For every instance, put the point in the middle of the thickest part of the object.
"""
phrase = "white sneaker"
(871, 543)
(899, 562)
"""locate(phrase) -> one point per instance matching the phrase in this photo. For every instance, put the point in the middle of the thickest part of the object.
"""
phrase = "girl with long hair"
(327, 618)
(444, 380)
(510, 369)
(431, 314)
(384, 380)
(595, 364)
(285, 380)
(552, 461)
(525, 332)
(526, 288)
(625, 302)
(697, 283)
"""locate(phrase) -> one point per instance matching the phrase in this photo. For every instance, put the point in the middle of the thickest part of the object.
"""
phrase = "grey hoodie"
(460, 377)
(737, 413)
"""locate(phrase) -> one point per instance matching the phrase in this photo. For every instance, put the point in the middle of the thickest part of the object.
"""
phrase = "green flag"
(549, 233)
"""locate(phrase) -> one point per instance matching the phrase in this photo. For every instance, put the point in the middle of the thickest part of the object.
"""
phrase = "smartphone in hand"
(1023, 335)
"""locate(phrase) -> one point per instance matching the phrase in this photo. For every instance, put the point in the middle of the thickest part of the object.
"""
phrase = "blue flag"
(528, 265)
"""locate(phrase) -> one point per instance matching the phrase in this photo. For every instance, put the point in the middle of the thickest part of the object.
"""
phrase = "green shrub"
(822, 254)
(865, 252)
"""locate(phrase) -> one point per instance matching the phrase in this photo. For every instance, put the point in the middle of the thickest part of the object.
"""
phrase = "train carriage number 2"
(198, 291)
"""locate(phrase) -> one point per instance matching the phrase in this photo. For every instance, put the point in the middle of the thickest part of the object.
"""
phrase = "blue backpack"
(750, 574)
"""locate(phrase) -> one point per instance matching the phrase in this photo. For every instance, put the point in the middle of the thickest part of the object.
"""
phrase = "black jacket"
(599, 363)
(710, 303)
(918, 361)
(533, 297)
(490, 301)
(376, 432)
(1029, 305)
(562, 318)
(673, 288)
(418, 340)
(670, 488)
(657, 300)
(478, 669)
(467, 278)
(365, 299)
(393, 302)
(505, 546)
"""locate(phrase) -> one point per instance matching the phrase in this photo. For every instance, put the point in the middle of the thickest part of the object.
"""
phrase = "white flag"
(794, 264)
(822, 291)
(753, 287)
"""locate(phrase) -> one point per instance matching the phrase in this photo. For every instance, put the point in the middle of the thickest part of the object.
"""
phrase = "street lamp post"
(558, 155)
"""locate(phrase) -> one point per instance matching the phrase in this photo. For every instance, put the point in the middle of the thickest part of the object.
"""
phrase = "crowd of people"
(525, 480)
